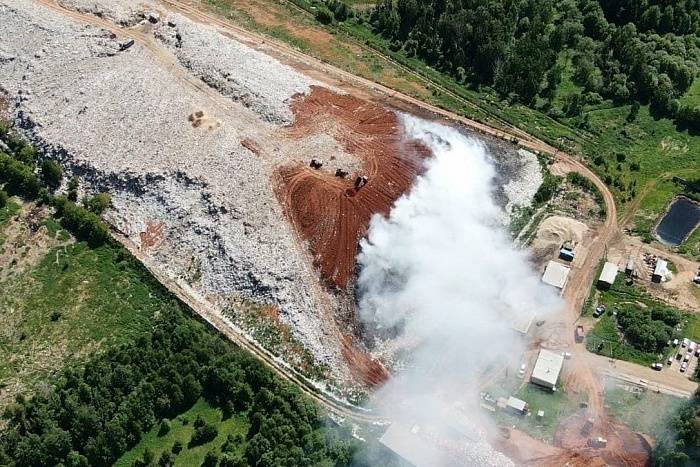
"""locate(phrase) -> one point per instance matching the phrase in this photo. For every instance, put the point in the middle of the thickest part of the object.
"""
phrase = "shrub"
(99, 203)
(4, 198)
(324, 15)
(204, 434)
(51, 173)
(177, 447)
(164, 427)
(84, 224)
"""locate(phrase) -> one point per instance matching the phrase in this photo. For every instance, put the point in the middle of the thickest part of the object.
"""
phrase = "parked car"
(566, 355)
(675, 342)
(686, 357)
(599, 311)
(656, 366)
(684, 366)
(685, 342)
(521, 371)
(669, 361)
(692, 346)
(679, 356)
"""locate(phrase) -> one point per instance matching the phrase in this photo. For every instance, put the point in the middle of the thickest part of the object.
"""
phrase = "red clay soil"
(362, 366)
(327, 211)
(152, 237)
(624, 447)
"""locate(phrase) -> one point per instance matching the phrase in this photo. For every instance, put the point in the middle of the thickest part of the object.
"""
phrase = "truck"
(579, 333)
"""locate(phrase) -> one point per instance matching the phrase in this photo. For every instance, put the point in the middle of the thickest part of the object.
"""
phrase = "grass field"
(646, 412)
(556, 405)
(181, 430)
(73, 303)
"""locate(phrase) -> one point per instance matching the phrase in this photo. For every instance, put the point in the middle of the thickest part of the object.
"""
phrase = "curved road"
(576, 291)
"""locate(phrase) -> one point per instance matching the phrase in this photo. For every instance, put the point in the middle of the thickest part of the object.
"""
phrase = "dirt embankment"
(328, 211)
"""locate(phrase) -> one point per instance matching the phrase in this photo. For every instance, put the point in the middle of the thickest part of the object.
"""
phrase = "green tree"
(51, 173)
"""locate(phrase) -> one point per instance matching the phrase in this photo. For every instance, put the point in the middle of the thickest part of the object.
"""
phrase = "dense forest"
(628, 51)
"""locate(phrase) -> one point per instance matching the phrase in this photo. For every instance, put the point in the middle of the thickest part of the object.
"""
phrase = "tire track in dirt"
(329, 212)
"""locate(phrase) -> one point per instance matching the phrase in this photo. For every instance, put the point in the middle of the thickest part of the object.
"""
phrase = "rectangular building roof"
(661, 267)
(547, 368)
(409, 445)
(556, 274)
(609, 273)
(517, 404)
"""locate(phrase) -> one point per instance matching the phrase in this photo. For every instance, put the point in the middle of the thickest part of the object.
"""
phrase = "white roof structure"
(661, 268)
(556, 274)
(516, 404)
(547, 369)
(608, 274)
(405, 442)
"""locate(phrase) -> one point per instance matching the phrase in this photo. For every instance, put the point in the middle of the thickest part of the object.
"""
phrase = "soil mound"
(332, 213)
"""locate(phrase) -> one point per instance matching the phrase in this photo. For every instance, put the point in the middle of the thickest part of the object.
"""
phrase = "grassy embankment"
(637, 159)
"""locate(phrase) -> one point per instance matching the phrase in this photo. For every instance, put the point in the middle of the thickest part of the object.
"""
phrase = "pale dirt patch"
(553, 232)
(679, 291)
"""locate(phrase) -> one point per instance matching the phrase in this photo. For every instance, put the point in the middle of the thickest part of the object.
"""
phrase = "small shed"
(660, 271)
(607, 276)
(547, 369)
(516, 405)
(556, 274)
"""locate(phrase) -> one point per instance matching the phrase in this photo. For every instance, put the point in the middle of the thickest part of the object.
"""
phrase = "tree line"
(624, 50)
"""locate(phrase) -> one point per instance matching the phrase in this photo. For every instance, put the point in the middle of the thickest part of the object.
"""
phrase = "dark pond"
(678, 222)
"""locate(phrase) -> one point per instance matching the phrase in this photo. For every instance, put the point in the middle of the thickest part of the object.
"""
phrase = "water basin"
(680, 220)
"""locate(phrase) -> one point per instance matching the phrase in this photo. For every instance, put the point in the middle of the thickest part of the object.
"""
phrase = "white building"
(660, 271)
(556, 274)
(516, 405)
(547, 369)
(607, 276)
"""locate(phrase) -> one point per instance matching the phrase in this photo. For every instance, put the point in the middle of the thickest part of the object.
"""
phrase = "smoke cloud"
(441, 287)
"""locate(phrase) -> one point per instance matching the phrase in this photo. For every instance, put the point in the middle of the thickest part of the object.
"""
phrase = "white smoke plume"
(441, 276)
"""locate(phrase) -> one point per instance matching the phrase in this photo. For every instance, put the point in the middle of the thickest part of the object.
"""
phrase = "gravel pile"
(248, 76)
(122, 12)
(521, 189)
(120, 122)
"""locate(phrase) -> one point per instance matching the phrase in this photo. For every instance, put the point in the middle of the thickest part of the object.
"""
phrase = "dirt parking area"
(679, 290)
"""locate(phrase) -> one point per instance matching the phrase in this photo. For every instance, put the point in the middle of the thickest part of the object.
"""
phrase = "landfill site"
(245, 174)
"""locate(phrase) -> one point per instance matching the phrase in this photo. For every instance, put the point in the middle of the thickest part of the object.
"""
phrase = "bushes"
(203, 434)
(85, 225)
(547, 189)
(51, 173)
(19, 178)
(4, 197)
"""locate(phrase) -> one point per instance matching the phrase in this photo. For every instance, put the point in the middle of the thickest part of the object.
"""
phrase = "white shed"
(607, 276)
(660, 270)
